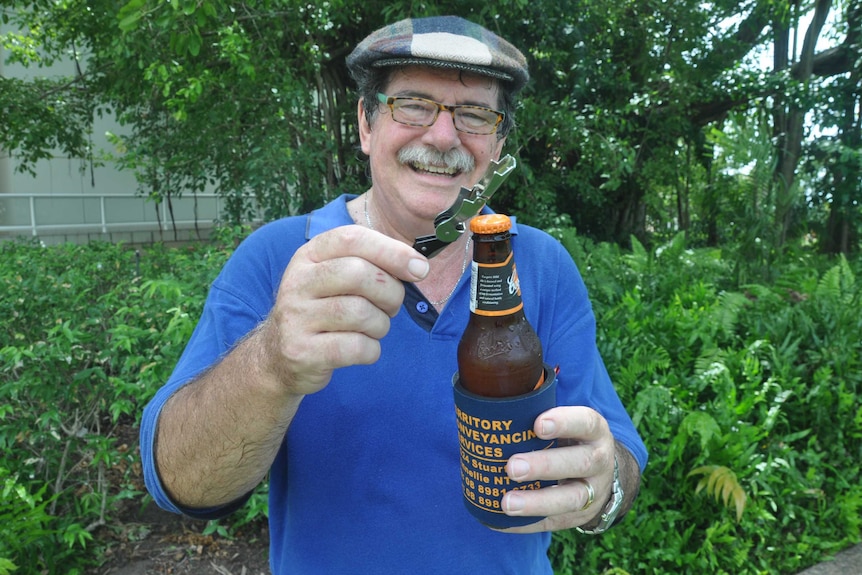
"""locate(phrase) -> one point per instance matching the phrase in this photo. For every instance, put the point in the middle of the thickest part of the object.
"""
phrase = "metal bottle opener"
(452, 222)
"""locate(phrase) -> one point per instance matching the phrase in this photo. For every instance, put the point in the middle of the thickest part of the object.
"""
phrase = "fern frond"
(726, 314)
(837, 283)
(7, 567)
(721, 483)
(639, 260)
(710, 362)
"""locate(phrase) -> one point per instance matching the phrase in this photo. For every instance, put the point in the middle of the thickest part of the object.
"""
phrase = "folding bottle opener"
(452, 222)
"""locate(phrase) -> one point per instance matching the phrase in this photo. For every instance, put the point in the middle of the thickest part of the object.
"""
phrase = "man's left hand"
(585, 452)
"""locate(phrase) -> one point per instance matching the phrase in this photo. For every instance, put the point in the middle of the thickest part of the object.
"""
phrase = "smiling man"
(327, 345)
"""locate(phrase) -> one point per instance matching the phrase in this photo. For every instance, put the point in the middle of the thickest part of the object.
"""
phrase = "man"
(326, 348)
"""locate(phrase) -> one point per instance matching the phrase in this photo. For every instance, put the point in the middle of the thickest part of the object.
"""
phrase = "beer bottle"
(499, 354)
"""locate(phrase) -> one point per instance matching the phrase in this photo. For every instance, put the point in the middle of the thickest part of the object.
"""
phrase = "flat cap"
(442, 42)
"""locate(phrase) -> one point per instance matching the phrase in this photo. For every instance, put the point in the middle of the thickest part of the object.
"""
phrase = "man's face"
(415, 190)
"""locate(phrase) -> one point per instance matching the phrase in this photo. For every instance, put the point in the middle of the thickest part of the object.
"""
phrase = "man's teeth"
(435, 169)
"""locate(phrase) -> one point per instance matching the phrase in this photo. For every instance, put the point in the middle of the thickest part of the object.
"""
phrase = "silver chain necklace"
(436, 304)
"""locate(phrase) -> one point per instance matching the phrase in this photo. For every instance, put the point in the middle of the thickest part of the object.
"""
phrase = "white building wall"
(69, 199)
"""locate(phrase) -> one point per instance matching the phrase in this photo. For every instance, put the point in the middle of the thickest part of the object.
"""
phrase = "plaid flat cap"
(442, 42)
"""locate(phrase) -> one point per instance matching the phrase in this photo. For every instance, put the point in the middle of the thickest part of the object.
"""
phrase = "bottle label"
(495, 289)
(490, 431)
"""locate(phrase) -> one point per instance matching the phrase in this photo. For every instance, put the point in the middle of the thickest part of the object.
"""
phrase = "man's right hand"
(334, 304)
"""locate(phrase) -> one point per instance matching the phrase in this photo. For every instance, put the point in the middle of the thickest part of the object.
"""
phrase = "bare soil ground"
(155, 542)
(145, 540)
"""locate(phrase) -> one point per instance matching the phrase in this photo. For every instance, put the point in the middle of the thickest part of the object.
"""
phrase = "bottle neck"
(494, 286)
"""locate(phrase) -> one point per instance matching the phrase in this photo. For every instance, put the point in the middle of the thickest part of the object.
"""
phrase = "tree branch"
(831, 62)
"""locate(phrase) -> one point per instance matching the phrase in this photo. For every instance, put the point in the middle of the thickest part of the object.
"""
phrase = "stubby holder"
(490, 430)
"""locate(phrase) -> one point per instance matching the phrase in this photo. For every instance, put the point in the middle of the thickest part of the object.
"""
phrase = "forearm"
(630, 477)
(218, 435)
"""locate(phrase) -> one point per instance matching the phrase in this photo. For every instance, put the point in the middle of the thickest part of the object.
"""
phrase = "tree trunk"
(683, 193)
(789, 117)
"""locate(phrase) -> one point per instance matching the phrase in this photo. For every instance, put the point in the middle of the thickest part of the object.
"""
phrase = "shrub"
(737, 391)
(91, 333)
(746, 396)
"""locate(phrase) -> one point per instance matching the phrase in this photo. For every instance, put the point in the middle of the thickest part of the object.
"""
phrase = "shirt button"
(422, 307)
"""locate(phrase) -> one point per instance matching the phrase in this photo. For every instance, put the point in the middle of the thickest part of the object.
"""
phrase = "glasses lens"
(476, 120)
(422, 112)
(414, 111)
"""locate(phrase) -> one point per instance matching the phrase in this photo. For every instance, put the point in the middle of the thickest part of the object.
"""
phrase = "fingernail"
(418, 268)
(514, 502)
(519, 468)
(548, 427)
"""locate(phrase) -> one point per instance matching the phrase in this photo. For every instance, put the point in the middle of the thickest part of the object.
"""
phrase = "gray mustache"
(455, 158)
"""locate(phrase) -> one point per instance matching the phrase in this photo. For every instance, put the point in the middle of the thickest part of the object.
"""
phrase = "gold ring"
(591, 494)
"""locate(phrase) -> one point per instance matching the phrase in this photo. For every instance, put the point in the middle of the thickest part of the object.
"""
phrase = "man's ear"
(364, 127)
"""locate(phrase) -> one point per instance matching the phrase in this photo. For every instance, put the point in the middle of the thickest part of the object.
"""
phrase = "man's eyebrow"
(415, 94)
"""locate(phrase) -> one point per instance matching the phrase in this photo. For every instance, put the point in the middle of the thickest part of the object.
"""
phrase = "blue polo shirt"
(367, 478)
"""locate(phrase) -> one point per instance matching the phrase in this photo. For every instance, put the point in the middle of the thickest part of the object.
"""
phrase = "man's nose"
(442, 133)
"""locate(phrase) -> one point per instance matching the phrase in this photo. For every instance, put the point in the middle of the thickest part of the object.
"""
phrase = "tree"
(47, 113)
(253, 99)
(835, 171)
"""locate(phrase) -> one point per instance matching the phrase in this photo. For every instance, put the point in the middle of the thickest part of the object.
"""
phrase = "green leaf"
(6, 566)
(194, 42)
(702, 424)
(130, 14)
(130, 22)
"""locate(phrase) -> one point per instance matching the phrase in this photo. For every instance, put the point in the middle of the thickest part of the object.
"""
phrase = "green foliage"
(27, 525)
(253, 100)
(90, 334)
(745, 393)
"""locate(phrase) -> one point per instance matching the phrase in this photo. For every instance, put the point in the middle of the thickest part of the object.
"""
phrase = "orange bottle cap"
(490, 224)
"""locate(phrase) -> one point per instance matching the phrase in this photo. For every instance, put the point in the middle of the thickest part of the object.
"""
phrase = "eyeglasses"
(422, 112)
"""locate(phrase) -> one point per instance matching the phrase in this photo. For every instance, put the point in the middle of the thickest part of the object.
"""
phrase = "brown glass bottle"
(499, 354)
